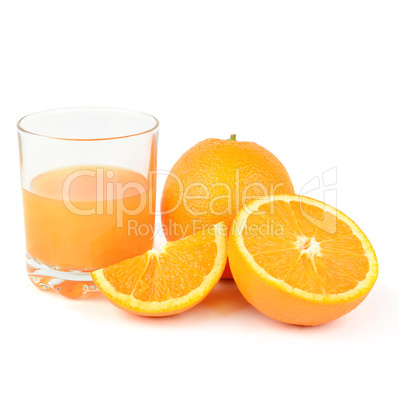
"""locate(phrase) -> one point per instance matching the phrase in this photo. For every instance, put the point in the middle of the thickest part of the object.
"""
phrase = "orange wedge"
(300, 261)
(169, 282)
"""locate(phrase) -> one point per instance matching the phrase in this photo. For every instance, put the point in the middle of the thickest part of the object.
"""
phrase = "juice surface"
(88, 217)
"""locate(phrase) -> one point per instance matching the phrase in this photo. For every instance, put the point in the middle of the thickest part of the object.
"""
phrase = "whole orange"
(213, 180)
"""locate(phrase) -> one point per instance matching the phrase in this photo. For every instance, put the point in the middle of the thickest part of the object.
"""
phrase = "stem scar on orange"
(300, 261)
(213, 180)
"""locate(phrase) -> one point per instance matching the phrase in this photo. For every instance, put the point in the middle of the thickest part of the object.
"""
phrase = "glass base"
(72, 284)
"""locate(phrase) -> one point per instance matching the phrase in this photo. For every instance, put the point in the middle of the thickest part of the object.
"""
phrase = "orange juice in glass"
(89, 188)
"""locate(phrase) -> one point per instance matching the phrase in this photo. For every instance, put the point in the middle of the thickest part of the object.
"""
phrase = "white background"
(315, 82)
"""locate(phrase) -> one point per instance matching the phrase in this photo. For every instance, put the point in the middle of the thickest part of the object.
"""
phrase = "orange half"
(167, 282)
(299, 260)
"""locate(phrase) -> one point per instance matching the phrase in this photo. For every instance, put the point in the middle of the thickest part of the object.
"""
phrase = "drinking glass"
(89, 188)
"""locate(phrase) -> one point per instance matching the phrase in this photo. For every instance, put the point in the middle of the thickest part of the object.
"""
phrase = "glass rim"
(108, 108)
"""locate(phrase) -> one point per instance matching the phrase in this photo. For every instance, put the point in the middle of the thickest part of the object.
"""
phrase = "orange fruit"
(213, 180)
(169, 282)
(300, 261)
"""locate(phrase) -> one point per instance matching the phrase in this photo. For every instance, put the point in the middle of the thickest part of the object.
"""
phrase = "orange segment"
(280, 263)
(168, 282)
(293, 257)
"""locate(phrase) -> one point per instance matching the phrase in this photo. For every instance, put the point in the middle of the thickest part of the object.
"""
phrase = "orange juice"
(82, 218)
